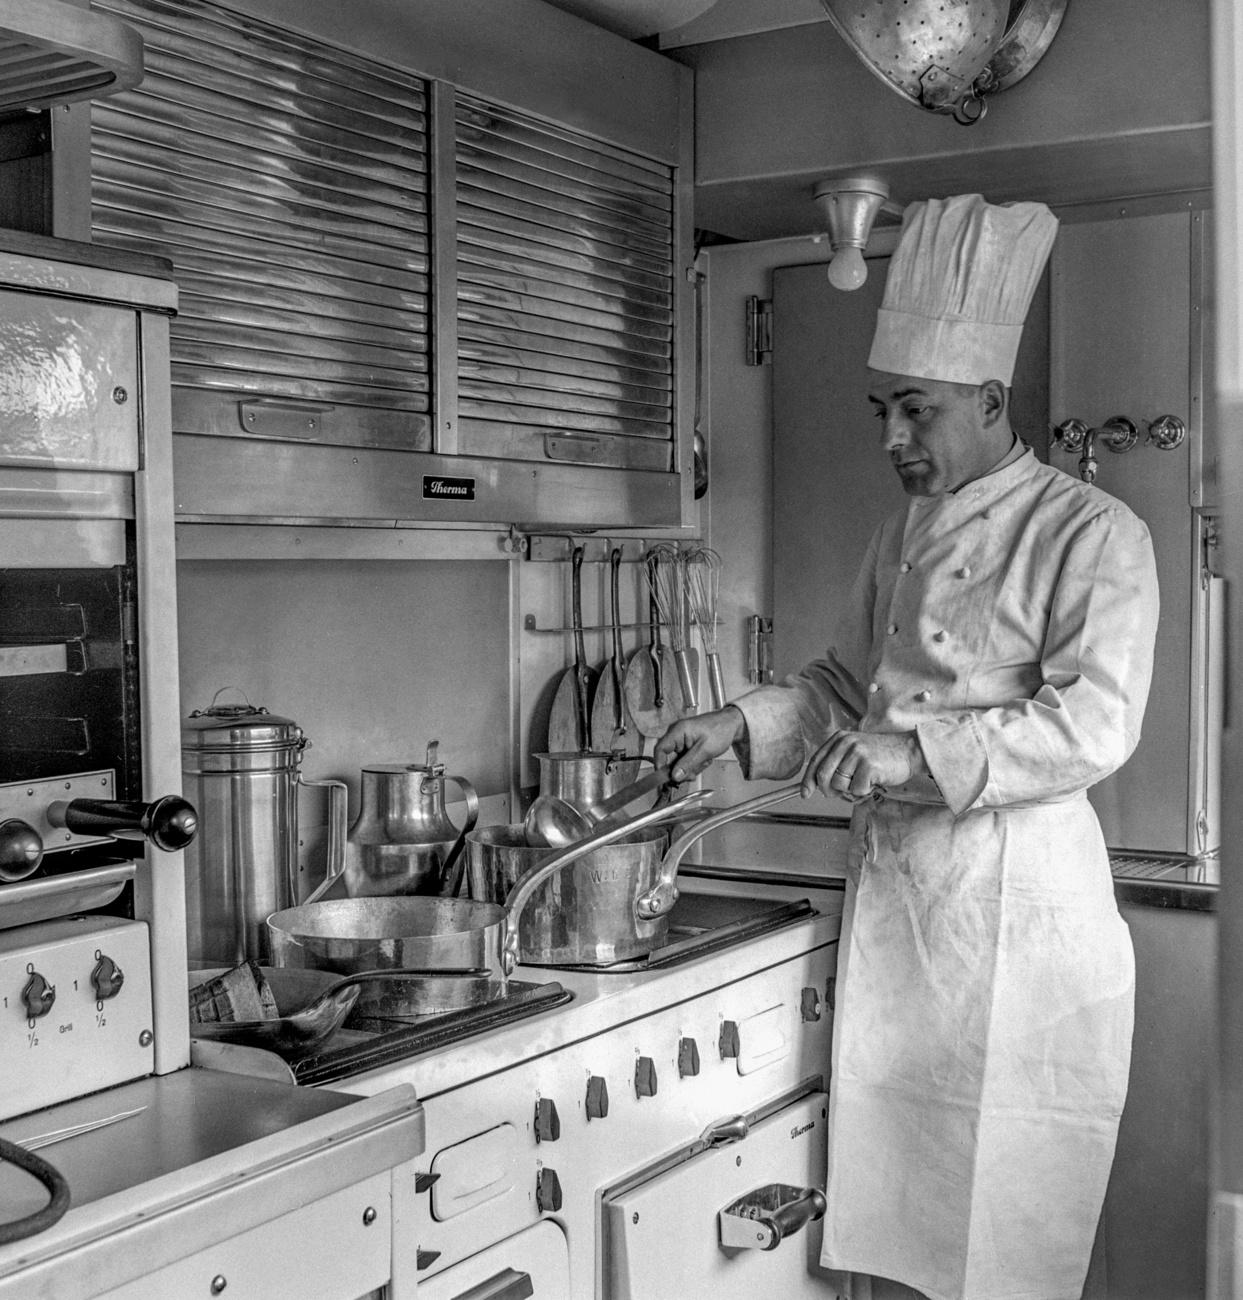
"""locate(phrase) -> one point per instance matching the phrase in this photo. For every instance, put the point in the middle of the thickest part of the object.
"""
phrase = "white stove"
(586, 1149)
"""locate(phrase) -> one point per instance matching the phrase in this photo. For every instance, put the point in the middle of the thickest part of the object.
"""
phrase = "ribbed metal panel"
(288, 183)
(565, 294)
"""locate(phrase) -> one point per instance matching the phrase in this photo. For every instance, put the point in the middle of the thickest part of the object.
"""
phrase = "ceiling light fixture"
(850, 207)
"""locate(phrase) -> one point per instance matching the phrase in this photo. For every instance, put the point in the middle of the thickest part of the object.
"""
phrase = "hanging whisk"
(669, 587)
(703, 584)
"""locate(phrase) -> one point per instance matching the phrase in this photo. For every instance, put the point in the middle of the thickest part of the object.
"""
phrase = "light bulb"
(847, 269)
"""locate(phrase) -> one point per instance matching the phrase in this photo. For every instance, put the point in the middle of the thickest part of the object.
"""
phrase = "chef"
(992, 665)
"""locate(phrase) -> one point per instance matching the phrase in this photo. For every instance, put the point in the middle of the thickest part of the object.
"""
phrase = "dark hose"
(50, 1177)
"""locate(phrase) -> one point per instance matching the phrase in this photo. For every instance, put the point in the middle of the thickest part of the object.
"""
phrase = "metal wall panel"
(288, 183)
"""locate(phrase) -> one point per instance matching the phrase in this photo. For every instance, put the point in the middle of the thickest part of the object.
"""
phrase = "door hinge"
(759, 650)
(759, 331)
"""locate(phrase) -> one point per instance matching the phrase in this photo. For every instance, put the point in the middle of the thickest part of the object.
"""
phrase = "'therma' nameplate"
(438, 488)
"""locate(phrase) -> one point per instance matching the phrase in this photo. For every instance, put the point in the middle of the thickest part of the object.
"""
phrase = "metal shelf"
(52, 52)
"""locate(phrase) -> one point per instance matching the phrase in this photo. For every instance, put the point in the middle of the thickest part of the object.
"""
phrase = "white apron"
(985, 977)
(981, 1051)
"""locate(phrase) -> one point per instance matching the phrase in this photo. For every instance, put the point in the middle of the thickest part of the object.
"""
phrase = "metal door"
(533, 1263)
(1121, 345)
(663, 1237)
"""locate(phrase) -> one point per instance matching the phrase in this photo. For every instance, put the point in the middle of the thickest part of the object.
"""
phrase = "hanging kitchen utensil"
(569, 721)
(653, 694)
(703, 569)
(403, 841)
(928, 51)
(674, 605)
(553, 822)
(612, 727)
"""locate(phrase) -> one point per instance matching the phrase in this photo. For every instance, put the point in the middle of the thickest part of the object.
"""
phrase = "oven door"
(731, 1221)
(534, 1262)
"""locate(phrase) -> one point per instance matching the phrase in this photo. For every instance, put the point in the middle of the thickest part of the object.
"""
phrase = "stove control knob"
(810, 1004)
(547, 1121)
(548, 1191)
(688, 1058)
(597, 1097)
(38, 996)
(107, 978)
(729, 1039)
(645, 1077)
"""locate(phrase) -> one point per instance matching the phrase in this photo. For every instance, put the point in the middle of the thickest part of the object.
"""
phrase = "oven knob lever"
(729, 1043)
(547, 1121)
(597, 1097)
(169, 823)
(548, 1191)
(645, 1077)
(423, 1182)
(106, 978)
(38, 996)
(21, 850)
(688, 1058)
(727, 1131)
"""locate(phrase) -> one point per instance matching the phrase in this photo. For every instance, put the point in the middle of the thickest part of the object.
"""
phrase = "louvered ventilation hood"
(54, 53)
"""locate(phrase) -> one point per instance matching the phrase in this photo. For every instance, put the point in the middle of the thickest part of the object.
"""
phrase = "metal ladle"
(555, 823)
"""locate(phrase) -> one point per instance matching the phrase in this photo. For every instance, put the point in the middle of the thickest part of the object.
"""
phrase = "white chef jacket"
(985, 978)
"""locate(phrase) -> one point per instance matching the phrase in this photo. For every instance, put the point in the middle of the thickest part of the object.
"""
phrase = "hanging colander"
(929, 51)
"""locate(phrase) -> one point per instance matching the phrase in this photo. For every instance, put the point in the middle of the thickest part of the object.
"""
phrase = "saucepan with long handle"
(651, 904)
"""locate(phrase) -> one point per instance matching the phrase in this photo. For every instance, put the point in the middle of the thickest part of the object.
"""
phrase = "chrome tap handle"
(1166, 432)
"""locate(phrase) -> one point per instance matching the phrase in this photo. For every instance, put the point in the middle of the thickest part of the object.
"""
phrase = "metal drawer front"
(288, 183)
(565, 294)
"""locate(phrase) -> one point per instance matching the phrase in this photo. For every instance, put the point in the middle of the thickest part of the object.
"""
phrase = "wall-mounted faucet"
(1118, 434)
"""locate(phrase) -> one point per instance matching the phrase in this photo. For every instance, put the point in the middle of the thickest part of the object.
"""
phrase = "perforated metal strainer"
(946, 55)
(929, 51)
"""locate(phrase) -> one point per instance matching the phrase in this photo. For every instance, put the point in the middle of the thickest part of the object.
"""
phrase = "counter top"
(141, 1185)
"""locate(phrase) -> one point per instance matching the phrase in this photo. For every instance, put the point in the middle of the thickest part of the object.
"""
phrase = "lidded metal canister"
(241, 768)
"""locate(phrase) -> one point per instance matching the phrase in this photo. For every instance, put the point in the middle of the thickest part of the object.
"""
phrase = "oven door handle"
(764, 1218)
(508, 1284)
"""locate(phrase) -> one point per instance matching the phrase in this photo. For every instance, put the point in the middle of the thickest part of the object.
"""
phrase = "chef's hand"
(856, 765)
(691, 744)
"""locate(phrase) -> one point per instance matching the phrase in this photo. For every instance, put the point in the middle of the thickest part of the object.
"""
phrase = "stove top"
(700, 925)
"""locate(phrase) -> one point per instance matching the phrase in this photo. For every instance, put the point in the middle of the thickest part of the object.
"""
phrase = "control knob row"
(38, 996)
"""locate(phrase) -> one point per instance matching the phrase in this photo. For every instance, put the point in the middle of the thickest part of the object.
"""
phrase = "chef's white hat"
(959, 285)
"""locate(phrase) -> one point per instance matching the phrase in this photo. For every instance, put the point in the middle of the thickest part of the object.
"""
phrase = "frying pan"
(653, 694)
(612, 727)
(569, 721)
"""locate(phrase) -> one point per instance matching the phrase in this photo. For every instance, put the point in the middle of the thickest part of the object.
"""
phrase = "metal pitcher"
(403, 841)
(241, 768)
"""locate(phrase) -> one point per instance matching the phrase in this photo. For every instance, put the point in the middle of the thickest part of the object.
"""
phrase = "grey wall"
(371, 659)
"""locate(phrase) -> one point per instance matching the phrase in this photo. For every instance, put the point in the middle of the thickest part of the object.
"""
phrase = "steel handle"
(338, 795)
(686, 679)
(795, 1215)
(451, 882)
(716, 680)
(662, 896)
(522, 892)
(508, 1284)
(170, 823)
